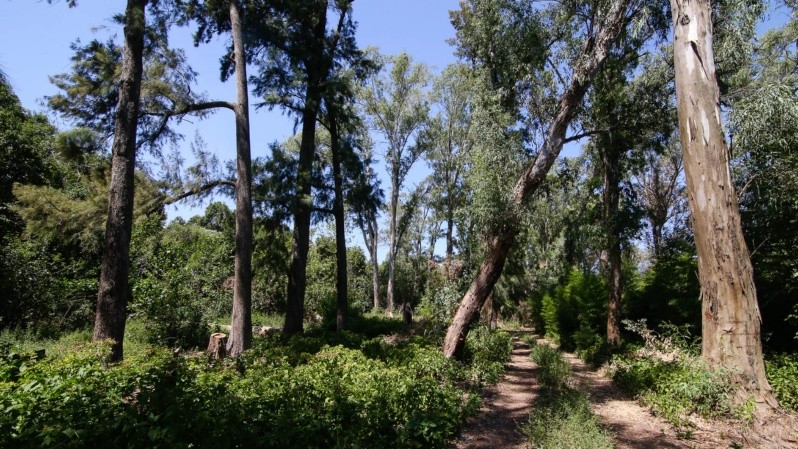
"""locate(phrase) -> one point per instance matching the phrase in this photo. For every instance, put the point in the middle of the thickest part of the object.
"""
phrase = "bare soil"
(507, 405)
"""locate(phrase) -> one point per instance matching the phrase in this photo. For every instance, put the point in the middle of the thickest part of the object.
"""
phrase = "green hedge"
(286, 392)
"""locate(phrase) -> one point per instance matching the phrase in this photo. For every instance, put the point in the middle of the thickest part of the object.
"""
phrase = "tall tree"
(241, 321)
(114, 289)
(450, 144)
(296, 61)
(397, 106)
(731, 320)
(611, 19)
(366, 220)
(217, 17)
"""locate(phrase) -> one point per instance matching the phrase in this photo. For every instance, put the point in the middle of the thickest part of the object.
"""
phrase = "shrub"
(486, 352)
(574, 314)
(554, 370)
(670, 377)
(782, 372)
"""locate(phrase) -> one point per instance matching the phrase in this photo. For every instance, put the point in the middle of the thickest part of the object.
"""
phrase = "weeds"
(561, 418)
(668, 375)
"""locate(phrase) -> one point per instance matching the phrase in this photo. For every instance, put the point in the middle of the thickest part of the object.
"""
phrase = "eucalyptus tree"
(730, 313)
(597, 26)
(449, 146)
(397, 106)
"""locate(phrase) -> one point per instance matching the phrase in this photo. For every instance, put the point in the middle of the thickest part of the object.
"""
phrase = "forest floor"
(507, 405)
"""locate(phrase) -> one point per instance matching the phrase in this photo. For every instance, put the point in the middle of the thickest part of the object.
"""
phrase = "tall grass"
(561, 417)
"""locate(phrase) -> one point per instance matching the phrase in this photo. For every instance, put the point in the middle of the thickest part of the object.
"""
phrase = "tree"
(365, 216)
(297, 53)
(763, 121)
(611, 20)
(448, 152)
(731, 320)
(114, 289)
(397, 107)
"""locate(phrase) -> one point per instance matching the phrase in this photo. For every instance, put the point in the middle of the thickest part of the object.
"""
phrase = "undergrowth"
(561, 417)
(667, 374)
(782, 372)
(316, 390)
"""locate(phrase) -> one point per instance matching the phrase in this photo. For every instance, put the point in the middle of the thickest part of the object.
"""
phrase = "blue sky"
(36, 37)
(35, 40)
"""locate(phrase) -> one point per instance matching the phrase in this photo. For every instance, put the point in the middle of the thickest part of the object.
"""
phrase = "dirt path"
(631, 425)
(507, 405)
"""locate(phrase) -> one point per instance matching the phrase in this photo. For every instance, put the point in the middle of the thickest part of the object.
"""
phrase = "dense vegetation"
(351, 389)
(574, 246)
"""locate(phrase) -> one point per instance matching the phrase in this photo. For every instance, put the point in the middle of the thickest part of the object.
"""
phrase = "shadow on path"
(505, 406)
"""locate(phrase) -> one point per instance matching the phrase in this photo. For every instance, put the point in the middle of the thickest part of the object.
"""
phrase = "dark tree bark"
(114, 289)
(303, 204)
(393, 246)
(498, 246)
(611, 199)
(240, 337)
(341, 282)
(730, 318)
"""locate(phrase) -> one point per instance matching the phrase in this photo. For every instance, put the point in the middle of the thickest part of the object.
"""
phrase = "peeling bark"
(730, 313)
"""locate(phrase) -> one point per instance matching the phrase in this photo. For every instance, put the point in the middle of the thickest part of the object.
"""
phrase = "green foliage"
(574, 314)
(668, 375)
(438, 305)
(486, 352)
(554, 369)
(782, 372)
(178, 275)
(293, 391)
(669, 290)
(561, 417)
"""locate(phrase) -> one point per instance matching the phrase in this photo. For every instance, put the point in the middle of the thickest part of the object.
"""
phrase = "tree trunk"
(303, 203)
(593, 56)
(450, 231)
(241, 324)
(370, 237)
(489, 272)
(730, 313)
(611, 198)
(392, 245)
(341, 283)
(114, 289)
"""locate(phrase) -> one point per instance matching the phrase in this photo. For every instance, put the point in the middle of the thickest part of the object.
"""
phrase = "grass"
(561, 417)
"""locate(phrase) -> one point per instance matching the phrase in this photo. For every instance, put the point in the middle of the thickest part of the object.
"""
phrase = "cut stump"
(217, 345)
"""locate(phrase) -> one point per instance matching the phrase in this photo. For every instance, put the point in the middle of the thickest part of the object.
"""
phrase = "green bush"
(782, 372)
(337, 398)
(574, 314)
(554, 369)
(668, 375)
(486, 352)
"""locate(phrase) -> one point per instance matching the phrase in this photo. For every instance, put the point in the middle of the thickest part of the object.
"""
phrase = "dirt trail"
(507, 405)
(631, 425)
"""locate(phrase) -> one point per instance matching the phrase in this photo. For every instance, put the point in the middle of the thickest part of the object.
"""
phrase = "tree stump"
(217, 346)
